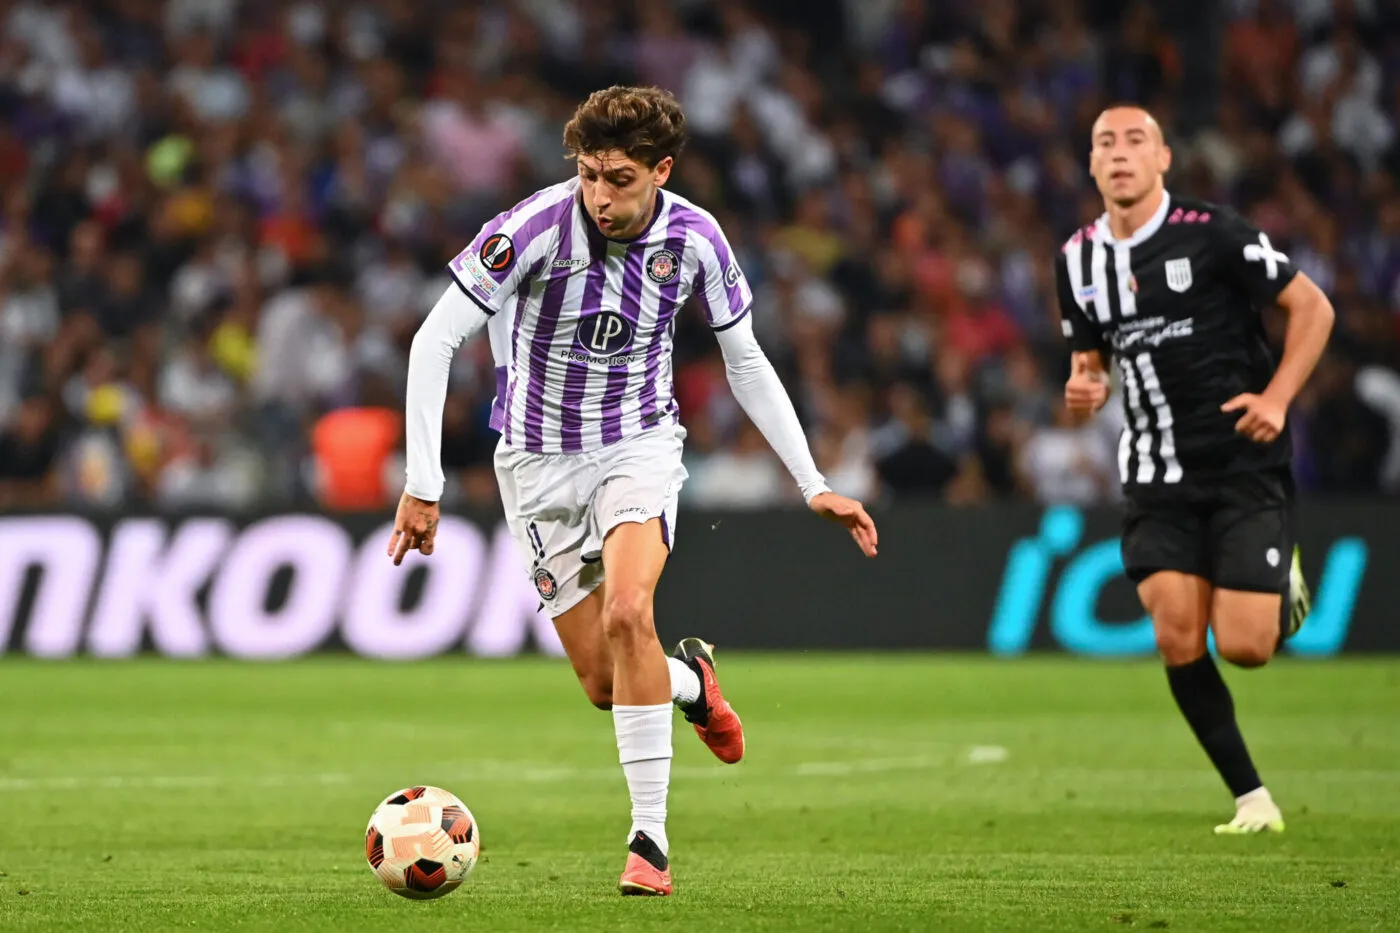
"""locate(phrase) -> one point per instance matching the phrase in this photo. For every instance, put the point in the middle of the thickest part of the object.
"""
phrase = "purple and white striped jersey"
(581, 326)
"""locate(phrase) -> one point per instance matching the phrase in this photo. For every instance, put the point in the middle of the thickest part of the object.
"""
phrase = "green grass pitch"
(879, 793)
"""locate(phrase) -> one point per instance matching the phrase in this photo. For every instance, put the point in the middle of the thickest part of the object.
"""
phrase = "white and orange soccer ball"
(422, 842)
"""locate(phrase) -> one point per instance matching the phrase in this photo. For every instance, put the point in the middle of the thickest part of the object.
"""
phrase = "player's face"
(1128, 157)
(619, 192)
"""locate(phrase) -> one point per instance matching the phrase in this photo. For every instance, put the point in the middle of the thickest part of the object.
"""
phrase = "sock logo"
(1073, 603)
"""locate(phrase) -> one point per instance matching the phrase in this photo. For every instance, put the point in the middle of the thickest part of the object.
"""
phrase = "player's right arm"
(453, 320)
(1086, 391)
(486, 277)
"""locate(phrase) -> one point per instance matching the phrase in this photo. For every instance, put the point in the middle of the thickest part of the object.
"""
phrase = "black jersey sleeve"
(1250, 261)
(1080, 333)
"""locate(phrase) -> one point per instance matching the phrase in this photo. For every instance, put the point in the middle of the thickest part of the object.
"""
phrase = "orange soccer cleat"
(648, 873)
(714, 719)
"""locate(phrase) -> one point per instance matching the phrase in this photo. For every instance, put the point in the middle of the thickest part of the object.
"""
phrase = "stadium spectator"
(28, 456)
(351, 447)
(1067, 461)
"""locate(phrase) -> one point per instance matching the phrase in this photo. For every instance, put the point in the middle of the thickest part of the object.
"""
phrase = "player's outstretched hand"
(850, 513)
(415, 527)
(1087, 390)
(1263, 418)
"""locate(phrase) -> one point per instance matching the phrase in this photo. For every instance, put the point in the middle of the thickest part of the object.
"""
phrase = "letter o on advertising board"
(376, 626)
(318, 553)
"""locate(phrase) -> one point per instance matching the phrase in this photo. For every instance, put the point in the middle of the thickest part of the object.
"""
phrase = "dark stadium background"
(221, 222)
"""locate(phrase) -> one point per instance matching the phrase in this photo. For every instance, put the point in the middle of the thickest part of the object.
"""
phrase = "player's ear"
(1164, 159)
(663, 170)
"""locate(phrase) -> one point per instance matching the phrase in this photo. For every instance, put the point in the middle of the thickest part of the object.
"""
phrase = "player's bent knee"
(1178, 644)
(1177, 604)
(627, 616)
(1180, 635)
(1248, 650)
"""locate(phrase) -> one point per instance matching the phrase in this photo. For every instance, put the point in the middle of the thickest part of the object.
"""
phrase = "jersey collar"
(1105, 235)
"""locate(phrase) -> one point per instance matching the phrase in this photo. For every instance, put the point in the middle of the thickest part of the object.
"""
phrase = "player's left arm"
(1269, 277)
(760, 393)
(1310, 317)
(725, 296)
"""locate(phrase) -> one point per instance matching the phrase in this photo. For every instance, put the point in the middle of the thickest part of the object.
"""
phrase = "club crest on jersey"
(1178, 274)
(498, 252)
(546, 585)
(663, 266)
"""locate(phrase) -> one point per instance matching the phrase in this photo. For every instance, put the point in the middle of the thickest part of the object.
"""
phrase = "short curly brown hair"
(646, 123)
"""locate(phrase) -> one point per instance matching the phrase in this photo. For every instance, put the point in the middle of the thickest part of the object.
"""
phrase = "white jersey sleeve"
(760, 393)
(720, 285)
(453, 319)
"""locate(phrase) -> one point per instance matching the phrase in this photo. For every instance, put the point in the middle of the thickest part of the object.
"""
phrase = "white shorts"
(560, 507)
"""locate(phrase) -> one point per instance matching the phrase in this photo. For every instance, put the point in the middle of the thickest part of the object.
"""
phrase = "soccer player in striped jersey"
(578, 287)
(1172, 290)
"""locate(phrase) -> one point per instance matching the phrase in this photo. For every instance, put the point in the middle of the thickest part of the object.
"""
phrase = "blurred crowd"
(222, 221)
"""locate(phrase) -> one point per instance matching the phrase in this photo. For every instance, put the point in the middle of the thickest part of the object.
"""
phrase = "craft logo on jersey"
(498, 252)
(604, 333)
(1178, 274)
(663, 266)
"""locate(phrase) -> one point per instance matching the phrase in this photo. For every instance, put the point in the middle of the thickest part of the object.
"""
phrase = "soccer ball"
(422, 842)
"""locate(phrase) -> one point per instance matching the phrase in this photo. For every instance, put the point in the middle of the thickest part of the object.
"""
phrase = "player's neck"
(1124, 221)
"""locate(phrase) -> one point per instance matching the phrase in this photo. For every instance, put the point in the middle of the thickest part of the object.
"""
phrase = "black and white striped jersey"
(1177, 306)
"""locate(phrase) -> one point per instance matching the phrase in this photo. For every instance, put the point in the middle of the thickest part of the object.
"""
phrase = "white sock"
(685, 683)
(1260, 793)
(644, 748)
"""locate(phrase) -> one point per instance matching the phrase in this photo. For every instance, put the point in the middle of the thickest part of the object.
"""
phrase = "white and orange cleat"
(648, 873)
(713, 718)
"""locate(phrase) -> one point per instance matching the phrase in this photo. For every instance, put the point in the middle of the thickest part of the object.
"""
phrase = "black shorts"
(1235, 531)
